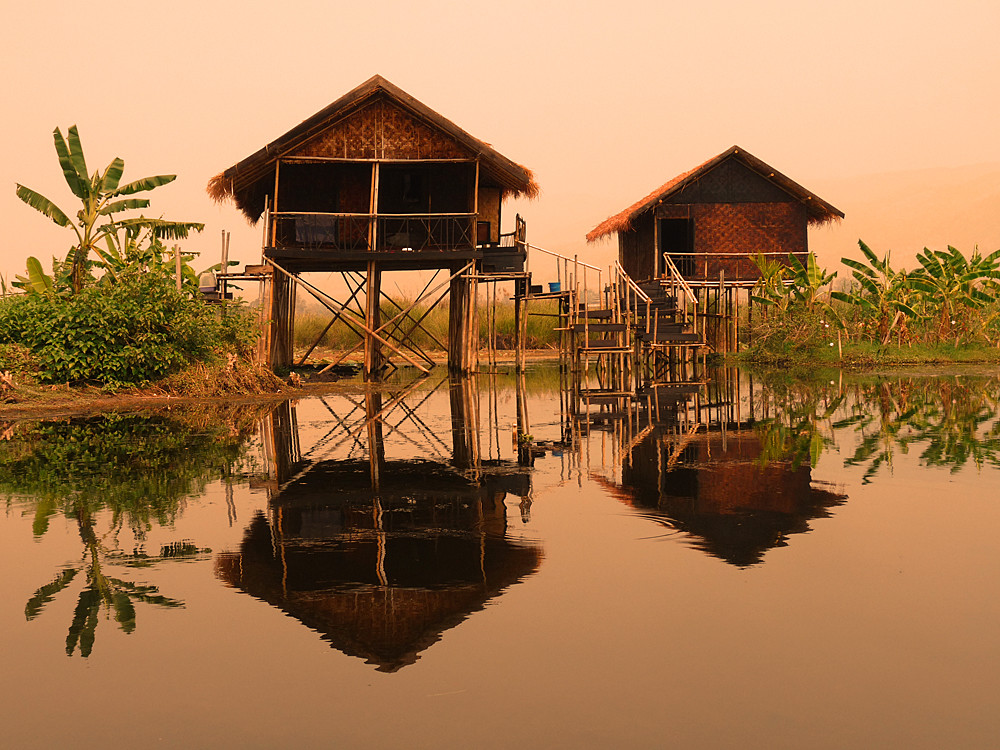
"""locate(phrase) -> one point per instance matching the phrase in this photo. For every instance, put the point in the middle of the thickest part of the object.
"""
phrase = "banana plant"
(102, 198)
(881, 294)
(37, 281)
(953, 284)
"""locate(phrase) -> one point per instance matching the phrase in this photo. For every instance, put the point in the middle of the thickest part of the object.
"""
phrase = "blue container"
(554, 286)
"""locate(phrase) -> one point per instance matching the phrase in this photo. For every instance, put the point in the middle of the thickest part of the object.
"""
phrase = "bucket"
(554, 286)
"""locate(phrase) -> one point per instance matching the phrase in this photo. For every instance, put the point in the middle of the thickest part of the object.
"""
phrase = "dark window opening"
(676, 240)
(425, 189)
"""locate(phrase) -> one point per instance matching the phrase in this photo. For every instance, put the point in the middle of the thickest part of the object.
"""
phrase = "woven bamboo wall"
(489, 210)
(635, 248)
(745, 228)
(382, 130)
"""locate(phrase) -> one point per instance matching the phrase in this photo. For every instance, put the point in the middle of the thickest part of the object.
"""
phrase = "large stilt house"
(709, 220)
(377, 181)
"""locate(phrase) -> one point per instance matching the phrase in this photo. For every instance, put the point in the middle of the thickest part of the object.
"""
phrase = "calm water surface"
(485, 564)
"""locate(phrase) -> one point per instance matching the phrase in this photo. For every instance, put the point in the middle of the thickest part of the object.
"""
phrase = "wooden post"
(518, 312)
(373, 315)
(457, 309)
(264, 320)
(177, 264)
(282, 321)
(274, 229)
(720, 335)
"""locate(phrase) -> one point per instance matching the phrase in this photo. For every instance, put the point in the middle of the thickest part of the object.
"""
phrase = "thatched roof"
(246, 182)
(818, 210)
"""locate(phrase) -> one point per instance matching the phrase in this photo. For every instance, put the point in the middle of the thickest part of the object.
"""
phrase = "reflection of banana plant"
(137, 470)
(796, 433)
(954, 423)
(101, 591)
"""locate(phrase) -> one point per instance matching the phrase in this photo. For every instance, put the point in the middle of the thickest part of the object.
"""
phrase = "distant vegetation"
(113, 311)
(540, 334)
(947, 309)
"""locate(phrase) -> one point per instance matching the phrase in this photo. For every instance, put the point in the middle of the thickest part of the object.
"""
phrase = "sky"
(603, 101)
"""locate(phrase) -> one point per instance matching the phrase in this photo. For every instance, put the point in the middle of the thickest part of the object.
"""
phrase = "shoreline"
(63, 401)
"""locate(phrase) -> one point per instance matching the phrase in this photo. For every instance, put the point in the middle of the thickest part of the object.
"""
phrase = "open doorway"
(677, 240)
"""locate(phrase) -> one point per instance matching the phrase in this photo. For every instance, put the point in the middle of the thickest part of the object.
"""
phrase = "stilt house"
(710, 219)
(377, 181)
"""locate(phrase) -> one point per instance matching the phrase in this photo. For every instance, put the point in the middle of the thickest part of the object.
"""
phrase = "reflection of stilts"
(376, 446)
(464, 398)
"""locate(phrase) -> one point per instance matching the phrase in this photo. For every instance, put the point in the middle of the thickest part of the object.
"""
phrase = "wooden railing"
(378, 233)
(696, 265)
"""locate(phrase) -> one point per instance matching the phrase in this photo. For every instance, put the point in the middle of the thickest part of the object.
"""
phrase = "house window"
(676, 239)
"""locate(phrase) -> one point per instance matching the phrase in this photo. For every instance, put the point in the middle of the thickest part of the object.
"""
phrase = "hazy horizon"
(602, 106)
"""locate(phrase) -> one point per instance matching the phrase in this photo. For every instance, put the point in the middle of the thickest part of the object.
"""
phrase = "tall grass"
(311, 320)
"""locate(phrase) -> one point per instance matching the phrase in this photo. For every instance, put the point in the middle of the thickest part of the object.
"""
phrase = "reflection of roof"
(240, 180)
(387, 594)
(734, 507)
(818, 210)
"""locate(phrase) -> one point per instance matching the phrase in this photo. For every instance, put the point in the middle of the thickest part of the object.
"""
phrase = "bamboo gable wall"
(382, 130)
(734, 210)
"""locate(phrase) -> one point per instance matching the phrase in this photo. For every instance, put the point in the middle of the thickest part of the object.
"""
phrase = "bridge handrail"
(677, 278)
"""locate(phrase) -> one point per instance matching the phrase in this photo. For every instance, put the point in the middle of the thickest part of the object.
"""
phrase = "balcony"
(373, 233)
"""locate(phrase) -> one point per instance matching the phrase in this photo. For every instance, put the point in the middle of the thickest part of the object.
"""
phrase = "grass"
(864, 354)
(311, 321)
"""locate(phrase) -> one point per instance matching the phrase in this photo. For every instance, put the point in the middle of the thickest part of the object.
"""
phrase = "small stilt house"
(377, 181)
(710, 219)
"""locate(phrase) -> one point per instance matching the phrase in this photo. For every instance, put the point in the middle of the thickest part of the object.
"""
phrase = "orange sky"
(604, 101)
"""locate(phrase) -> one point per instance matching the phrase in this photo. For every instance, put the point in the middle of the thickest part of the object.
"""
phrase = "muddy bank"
(59, 401)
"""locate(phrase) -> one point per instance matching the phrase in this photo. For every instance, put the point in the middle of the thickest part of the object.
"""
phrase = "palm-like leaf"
(125, 205)
(113, 175)
(42, 204)
(146, 183)
(96, 218)
(163, 229)
(76, 179)
(76, 152)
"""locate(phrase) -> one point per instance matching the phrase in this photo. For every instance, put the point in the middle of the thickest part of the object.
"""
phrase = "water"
(752, 564)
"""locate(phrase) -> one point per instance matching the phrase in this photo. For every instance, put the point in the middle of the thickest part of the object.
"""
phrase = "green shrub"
(126, 334)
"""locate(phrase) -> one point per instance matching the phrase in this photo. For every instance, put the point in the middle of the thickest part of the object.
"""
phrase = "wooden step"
(604, 398)
(665, 337)
(596, 351)
(598, 327)
(595, 314)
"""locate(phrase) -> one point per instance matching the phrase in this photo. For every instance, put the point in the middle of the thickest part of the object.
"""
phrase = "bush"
(126, 334)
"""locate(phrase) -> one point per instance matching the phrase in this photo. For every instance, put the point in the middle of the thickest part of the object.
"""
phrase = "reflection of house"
(718, 491)
(710, 218)
(383, 575)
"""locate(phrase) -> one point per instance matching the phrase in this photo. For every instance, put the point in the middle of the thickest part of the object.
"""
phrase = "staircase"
(660, 322)
(663, 314)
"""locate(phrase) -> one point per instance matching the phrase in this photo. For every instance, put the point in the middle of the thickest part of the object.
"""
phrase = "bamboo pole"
(323, 295)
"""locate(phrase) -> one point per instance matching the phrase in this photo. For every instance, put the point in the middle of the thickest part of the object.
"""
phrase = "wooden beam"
(331, 302)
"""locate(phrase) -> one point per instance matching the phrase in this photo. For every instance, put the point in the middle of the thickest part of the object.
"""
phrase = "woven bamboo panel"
(382, 130)
(745, 228)
(489, 210)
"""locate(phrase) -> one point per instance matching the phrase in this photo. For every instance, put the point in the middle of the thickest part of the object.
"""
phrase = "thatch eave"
(247, 181)
(818, 210)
